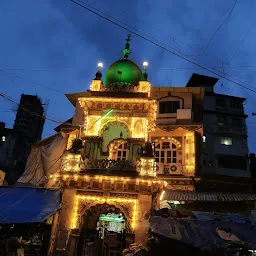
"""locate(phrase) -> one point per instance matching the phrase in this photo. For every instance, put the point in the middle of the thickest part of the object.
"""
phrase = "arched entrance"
(92, 216)
(99, 221)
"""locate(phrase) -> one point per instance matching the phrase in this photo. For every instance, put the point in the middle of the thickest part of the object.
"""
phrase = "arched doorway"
(96, 222)
(92, 216)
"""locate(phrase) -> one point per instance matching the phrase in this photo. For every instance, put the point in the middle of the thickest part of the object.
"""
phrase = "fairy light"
(147, 167)
(190, 152)
(176, 142)
(144, 86)
(71, 138)
(72, 162)
(106, 178)
(162, 195)
(102, 200)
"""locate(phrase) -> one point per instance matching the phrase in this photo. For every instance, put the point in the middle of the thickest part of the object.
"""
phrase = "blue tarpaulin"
(199, 233)
(27, 205)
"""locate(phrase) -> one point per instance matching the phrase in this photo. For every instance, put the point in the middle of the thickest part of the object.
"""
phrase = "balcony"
(113, 167)
(182, 116)
(73, 163)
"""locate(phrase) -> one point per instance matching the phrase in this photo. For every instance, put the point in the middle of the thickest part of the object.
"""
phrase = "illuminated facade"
(129, 141)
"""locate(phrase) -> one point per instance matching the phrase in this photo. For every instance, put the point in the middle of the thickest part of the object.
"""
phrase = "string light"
(102, 200)
(78, 176)
(72, 162)
(190, 153)
(148, 167)
(177, 143)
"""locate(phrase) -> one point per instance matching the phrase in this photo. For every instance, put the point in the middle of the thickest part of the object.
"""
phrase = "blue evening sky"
(56, 44)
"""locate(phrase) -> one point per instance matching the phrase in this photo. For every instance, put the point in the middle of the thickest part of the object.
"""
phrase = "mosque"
(126, 144)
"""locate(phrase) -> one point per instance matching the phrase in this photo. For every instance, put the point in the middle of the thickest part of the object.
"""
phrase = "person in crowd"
(13, 244)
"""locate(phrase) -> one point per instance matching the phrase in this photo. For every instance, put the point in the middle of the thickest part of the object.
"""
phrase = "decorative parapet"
(96, 85)
(147, 166)
(111, 165)
(144, 86)
(109, 183)
(71, 162)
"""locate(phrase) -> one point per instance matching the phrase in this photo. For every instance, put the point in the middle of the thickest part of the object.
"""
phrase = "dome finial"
(144, 74)
(98, 75)
(127, 50)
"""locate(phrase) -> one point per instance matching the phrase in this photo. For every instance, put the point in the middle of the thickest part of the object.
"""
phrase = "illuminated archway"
(106, 126)
(98, 209)
(128, 207)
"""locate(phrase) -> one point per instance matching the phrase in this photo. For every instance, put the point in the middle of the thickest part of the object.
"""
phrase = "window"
(122, 151)
(168, 107)
(235, 103)
(220, 102)
(238, 122)
(226, 141)
(166, 152)
(222, 120)
(204, 138)
(232, 162)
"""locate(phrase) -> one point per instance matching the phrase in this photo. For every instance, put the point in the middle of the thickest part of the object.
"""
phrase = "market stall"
(27, 213)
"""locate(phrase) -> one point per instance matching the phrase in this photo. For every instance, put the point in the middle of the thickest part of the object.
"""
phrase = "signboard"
(2, 176)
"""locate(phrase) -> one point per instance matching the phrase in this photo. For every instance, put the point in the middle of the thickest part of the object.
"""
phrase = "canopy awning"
(180, 195)
(27, 205)
(201, 233)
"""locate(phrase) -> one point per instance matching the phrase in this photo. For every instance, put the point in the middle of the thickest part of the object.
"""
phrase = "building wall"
(67, 237)
(28, 124)
(190, 98)
(220, 125)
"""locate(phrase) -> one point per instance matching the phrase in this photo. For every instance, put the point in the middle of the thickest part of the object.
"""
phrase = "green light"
(106, 114)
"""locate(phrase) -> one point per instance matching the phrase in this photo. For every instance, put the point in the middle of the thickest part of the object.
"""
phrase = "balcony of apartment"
(229, 104)
(182, 117)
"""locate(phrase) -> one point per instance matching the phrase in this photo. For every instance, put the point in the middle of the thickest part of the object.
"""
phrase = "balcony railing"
(110, 165)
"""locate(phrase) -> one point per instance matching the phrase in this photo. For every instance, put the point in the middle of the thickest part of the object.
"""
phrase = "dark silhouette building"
(15, 144)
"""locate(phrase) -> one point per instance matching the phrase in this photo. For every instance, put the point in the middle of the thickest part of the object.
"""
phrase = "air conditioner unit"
(184, 114)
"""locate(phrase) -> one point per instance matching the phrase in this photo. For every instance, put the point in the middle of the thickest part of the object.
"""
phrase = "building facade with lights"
(126, 141)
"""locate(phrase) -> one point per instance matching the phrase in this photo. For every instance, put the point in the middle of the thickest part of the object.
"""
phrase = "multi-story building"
(15, 144)
(224, 141)
(127, 141)
(30, 118)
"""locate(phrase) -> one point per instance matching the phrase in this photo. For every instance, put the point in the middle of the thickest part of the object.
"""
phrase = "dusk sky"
(52, 47)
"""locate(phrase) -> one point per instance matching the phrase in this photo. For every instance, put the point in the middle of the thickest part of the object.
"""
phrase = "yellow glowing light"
(72, 162)
(145, 64)
(71, 138)
(95, 85)
(147, 167)
(162, 195)
(103, 200)
(190, 153)
(110, 178)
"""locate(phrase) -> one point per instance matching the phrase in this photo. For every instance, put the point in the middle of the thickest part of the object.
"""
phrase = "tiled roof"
(179, 195)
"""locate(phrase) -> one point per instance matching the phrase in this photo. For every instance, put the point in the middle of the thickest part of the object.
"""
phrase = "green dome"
(124, 71)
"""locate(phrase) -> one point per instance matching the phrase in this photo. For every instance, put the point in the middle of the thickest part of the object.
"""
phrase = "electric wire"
(218, 28)
(164, 48)
(32, 113)
(35, 83)
(244, 38)
(165, 44)
(173, 38)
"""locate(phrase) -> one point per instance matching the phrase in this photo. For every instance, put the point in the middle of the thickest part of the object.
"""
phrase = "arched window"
(166, 152)
(119, 151)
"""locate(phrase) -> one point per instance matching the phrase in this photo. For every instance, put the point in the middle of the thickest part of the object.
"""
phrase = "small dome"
(123, 71)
